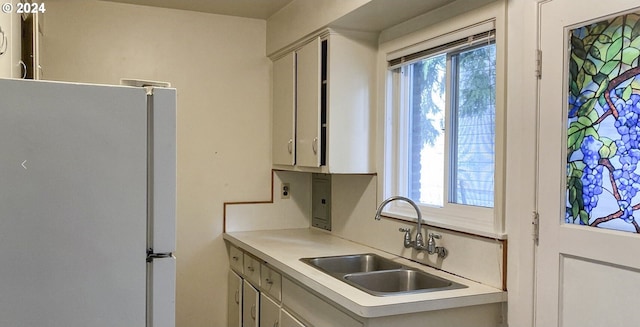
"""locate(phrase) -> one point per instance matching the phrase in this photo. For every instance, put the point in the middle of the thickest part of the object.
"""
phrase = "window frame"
(483, 221)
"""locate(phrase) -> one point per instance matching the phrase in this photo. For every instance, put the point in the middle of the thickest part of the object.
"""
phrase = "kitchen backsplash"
(354, 202)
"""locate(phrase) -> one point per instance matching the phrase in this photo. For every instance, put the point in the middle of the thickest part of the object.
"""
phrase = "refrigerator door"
(162, 187)
(162, 208)
(161, 299)
(73, 205)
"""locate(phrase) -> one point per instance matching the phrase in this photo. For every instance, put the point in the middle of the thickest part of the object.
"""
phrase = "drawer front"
(236, 259)
(271, 282)
(252, 269)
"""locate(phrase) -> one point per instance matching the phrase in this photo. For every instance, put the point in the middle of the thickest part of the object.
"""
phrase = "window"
(441, 133)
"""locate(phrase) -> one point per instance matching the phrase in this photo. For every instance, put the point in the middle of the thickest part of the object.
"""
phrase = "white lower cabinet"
(256, 297)
(269, 312)
(254, 293)
(272, 315)
(287, 320)
(259, 295)
(250, 305)
(234, 300)
(313, 309)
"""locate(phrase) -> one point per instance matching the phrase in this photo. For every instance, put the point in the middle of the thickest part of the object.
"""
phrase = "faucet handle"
(432, 248)
(407, 236)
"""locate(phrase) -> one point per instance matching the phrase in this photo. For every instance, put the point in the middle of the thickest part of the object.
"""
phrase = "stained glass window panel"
(603, 130)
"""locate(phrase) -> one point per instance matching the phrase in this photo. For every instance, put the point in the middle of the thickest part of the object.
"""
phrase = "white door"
(308, 105)
(284, 110)
(588, 260)
(234, 300)
(269, 312)
(250, 305)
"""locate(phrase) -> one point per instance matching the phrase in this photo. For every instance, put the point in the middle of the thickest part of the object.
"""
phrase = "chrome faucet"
(418, 244)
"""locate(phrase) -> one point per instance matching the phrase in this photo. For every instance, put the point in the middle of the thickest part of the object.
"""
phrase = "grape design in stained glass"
(603, 130)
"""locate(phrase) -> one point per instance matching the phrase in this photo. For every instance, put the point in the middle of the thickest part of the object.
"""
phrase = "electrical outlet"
(285, 192)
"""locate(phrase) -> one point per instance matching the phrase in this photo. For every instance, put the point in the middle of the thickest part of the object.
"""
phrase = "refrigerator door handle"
(152, 256)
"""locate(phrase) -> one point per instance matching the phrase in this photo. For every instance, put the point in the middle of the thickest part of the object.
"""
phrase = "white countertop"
(283, 249)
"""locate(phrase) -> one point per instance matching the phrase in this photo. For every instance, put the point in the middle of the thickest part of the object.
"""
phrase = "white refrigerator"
(87, 205)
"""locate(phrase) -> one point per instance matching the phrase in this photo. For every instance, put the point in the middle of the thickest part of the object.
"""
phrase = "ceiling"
(378, 15)
(261, 9)
(373, 16)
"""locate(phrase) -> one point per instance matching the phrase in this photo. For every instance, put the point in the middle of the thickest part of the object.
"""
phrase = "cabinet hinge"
(535, 222)
(539, 64)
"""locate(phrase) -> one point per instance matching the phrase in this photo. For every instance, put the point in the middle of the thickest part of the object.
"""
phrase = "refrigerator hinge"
(148, 85)
(535, 222)
(152, 256)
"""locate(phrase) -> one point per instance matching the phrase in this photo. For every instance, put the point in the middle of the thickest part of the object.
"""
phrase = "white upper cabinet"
(324, 104)
(11, 64)
(284, 110)
(308, 104)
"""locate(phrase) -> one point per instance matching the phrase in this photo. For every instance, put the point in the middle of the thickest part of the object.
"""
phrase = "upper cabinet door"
(308, 104)
(284, 110)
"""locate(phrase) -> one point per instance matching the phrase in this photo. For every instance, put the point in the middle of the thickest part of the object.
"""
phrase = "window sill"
(458, 226)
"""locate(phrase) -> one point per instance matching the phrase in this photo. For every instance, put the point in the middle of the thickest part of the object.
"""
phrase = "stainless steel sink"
(403, 281)
(380, 276)
(348, 264)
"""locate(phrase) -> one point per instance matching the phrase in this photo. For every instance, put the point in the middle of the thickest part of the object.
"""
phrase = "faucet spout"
(419, 242)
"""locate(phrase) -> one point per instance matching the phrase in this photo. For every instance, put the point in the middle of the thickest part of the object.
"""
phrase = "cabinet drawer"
(271, 282)
(235, 259)
(252, 269)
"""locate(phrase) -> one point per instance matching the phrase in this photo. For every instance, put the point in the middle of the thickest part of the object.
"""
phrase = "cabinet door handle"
(253, 312)
(251, 269)
(24, 68)
(315, 145)
(290, 146)
(268, 281)
(237, 296)
(235, 258)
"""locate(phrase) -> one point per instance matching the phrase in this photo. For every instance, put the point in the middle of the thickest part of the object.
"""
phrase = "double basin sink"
(380, 276)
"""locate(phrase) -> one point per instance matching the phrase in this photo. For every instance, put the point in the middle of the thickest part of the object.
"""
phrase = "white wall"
(302, 17)
(275, 213)
(218, 65)
(353, 209)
